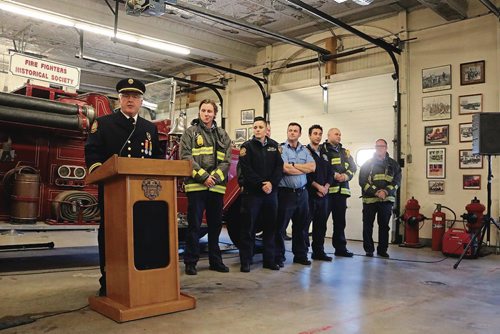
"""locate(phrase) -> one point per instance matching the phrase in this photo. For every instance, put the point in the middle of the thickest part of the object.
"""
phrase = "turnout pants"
(211, 203)
(383, 211)
(338, 207)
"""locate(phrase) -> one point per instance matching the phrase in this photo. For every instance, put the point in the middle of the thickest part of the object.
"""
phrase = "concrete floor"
(415, 291)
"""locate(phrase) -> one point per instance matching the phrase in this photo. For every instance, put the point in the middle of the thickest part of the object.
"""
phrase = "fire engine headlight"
(80, 172)
(63, 171)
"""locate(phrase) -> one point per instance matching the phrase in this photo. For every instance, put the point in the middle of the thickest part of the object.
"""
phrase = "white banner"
(39, 69)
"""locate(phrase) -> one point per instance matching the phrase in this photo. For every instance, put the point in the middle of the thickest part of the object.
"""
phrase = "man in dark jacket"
(379, 178)
(261, 167)
(126, 134)
(318, 185)
(344, 169)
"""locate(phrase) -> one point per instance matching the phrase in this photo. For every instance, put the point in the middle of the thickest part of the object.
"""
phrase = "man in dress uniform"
(123, 133)
(379, 179)
(344, 169)
(208, 147)
(260, 167)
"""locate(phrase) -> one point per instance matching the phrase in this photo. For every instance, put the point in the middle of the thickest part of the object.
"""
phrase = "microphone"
(129, 136)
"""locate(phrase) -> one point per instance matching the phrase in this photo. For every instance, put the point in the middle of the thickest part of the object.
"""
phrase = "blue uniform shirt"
(298, 155)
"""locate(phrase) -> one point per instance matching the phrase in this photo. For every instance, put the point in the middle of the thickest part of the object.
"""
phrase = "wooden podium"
(142, 269)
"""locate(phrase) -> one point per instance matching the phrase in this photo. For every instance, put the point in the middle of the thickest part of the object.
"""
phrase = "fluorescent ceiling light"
(340, 1)
(92, 27)
(37, 14)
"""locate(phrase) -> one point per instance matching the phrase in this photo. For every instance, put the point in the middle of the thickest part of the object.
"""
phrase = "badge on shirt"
(243, 152)
(148, 135)
(93, 129)
(199, 140)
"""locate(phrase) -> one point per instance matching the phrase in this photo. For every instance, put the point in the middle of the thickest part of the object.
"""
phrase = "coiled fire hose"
(75, 206)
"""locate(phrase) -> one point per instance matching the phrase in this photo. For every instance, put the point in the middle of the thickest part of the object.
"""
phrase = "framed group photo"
(469, 104)
(436, 187)
(468, 160)
(436, 135)
(247, 116)
(472, 73)
(436, 107)
(436, 78)
(472, 182)
(436, 163)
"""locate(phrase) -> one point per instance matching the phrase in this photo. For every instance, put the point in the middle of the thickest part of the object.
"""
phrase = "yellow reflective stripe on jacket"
(195, 187)
(348, 172)
(345, 191)
(382, 177)
(202, 151)
(218, 189)
(333, 190)
(218, 172)
(335, 161)
(94, 166)
(221, 155)
(199, 172)
(371, 200)
(391, 187)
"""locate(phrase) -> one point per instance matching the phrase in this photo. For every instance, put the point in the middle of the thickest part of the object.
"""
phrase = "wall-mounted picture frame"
(247, 116)
(436, 187)
(472, 73)
(436, 135)
(436, 78)
(469, 160)
(240, 135)
(472, 182)
(436, 163)
(249, 133)
(436, 107)
(470, 104)
(465, 132)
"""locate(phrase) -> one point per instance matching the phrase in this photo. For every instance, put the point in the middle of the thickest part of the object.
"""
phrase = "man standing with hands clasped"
(379, 179)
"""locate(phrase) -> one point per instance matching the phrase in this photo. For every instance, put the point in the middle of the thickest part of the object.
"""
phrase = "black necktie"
(131, 120)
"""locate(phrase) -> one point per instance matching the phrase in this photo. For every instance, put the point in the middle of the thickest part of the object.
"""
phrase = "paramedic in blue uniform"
(293, 197)
(344, 169)
(126, 134)
(379, 179)
(208, 147)
(318, 185)
(261, 167)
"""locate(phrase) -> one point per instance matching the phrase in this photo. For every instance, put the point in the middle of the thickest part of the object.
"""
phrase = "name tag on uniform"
(271, 149)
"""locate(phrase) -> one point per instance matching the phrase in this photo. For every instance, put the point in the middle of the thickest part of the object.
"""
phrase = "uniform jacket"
(108, 135)
(209, 151)
(323, 173)
(343, 163)
(259, 163)
(376, 174)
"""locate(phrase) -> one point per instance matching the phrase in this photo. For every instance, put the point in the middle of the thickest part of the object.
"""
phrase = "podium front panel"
(151, 235)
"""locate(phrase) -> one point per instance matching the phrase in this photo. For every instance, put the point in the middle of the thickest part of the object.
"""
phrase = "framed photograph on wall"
(436, 135)
(436, 78)
(468, 160)
(249, 133)
(472, 182)
(436, 187)
(472, 73)
(436, 107)
(469, 104)
(240, 135)
(247, 116)
(436, 163)
(465, 132)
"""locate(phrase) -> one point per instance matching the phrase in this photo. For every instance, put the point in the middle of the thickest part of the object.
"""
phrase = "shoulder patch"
(93, 129)
(243, 152)
(348, 153)
(280, 149)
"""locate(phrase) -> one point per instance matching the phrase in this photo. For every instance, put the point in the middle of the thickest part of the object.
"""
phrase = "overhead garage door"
(361, 108)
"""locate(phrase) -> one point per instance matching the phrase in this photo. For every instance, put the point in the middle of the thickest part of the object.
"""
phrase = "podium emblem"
(151, 188)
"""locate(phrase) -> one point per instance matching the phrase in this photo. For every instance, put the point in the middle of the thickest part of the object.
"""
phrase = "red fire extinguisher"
(438, 226)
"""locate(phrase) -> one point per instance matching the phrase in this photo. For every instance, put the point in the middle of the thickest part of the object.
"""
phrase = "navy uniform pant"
(338, 207)
(254, 206)
(292, 205)
(318, 216)
(383, 211)
(211, 203)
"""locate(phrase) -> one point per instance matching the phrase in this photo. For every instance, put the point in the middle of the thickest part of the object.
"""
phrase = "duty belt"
(292, 190)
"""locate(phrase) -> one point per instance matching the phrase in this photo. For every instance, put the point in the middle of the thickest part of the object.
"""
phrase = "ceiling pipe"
(491, 6)
(225, 20)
